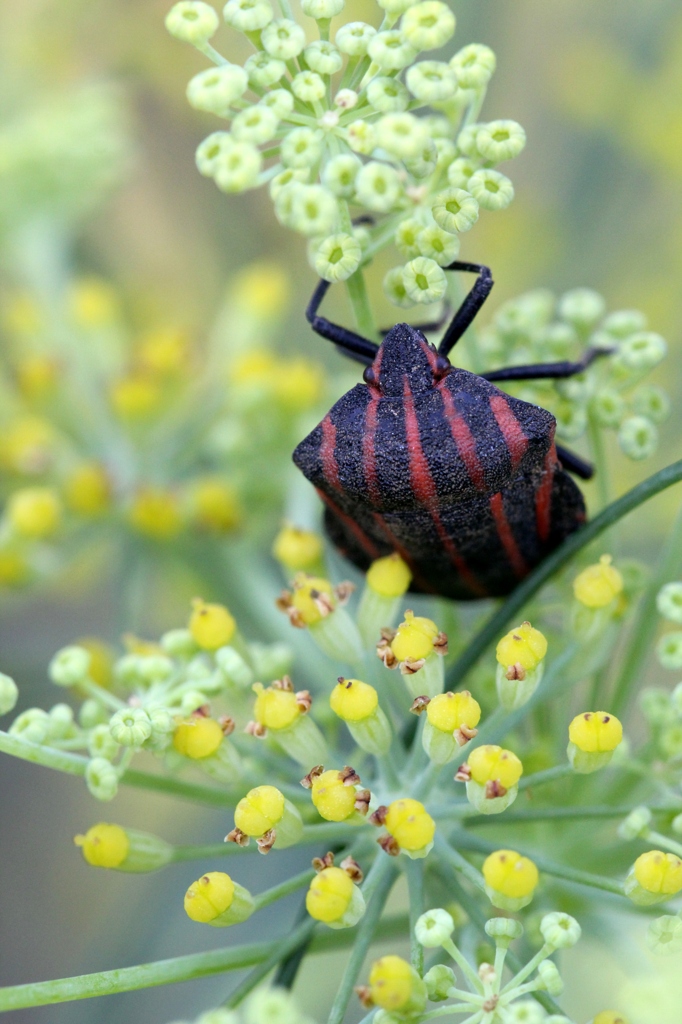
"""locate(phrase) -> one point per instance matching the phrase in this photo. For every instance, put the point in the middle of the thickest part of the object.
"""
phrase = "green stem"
(185, 853)
(391, 927)
(660, 840)
(496, 624)
(559, 813)
(414, 870)
(282, 949)
(548, 775)
(455, 860)
(601, 466)
(278, 892)
(381, 880)
(357, 292)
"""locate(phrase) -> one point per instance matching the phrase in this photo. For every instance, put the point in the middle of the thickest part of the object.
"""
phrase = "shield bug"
(436, 463)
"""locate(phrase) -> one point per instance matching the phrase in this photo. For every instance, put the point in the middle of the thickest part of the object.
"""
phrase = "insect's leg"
(352, 345)
(433, 325)
(471, 305)
(548, 371)
(574, 464)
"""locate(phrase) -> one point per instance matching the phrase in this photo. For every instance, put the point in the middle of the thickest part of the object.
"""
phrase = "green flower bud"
(492, 190)
(514, 693)
(571, 420)
(269, 1006)
(233, 668)
(263, 70)
(378, 186)
(279, 100)
(664, 935)
(31, 725)
(560, 930)
(428, 25)
(255, 124)
(433, 928)
(504, 930)
(301, 147)
(248, 15)
(238, 168)
(101, 779)
(405, 238)
(215, 89)
(431, 81)
(338, 257)
(557, 340)
(323, 57)
(283, 182)
(608, 407)
(388, 95)
(130, 727)
(641, 351)
(439, 981)
(402, 135)
(390, 50)
(426, 160)
(60, 725)
(636, 824)
(361, 137)
(669, 602)
(624, 322)
(438, 245)
(9, 694)
(455, 210)
(394, 288)
(155, 668)
(353, 38)
(466, 141)
(525, 1011)
(424, 280)
(101, 743)
(500, 140)
(652, 403)
(70, 666)
(92, 713)
(192, 22)
(459, 172)
(308, 87)
(339, 174)
(474, 66)
(637, 437)
(179, 643)
(346, 99)
(313, 210)
(321, 10)
(582, 307)
(484, 804)
(549, 978)
(283, 38)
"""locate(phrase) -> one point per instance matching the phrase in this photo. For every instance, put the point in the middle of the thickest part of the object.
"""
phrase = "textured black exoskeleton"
(436, 463)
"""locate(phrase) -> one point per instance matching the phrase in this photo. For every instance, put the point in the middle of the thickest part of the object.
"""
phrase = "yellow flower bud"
(36, 376)
(211, 625)
(104, 846)
(389, 576)
(510, 874)
(163, 351)
(595, 732)
(414, 639)
(215, 505)
(334, 801)
(297, 384)
(411, 825)
(135, 397)
(352, 700)
(659, 873)
(610, 1017)
(329, 895)
(297, 549)
(198, 737)
(275, 708)
(87, 490)
(598, 585)
(94, 303)
(523, 646)
(216, 900)
(35, 512)
(494, 764)
(450, 711)
(259, 811)
(311, 596)
(155, 513)
(391, 983)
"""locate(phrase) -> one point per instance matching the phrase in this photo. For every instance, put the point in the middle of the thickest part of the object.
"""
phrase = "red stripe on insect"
(363, 540)
(369, 464)
(406, 557)
(425, 489)
(506, 536)
(430, 354)
(513, 434)
(464, 439)
(330, 469)
(543, 495)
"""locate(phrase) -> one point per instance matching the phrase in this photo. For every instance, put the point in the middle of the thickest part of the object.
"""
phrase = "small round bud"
(265, 1006)
(333, 800)
(395, 7)
(510, 878)
(388, 95)
(259, 811)
(466, 141)
(460, 171)
(279, 100)
(525, 1011)
(237, 169)
(323, 57)
(192, 21)
(215, 89)
(339, 174)
(439, 980)
(297, 549)
(211, 625)
(598, 585)
(638, 437)
(283, 38)
(198, 737)
(334, 899)
(406, 236)
(414, 638)
(354, 37)
(275, 708)
(395, 986)
(301, 147)
(101, 778)
(130, 727)
(378, 186)
(651, 402)
(641, 351)
(321, 10)
(70, 666)
(455, 210)
(636, 824)
(9, 694)
(428, 25)
(582, 307)
(658, 873)
(664, 935)
(314, 210)
(262, 70)
(216, 900)
(438, 245)
(402, 135)
(346, 99)
(394, 288)
(610, 1017)
(504, 930)
(353, 701)
(500, 140)
(474, 66)
(490, 763)
(391, 50)
(593, 736)
(308, 87)
(104, 846)
(608, 407)
(431, 81)
(88, 490)
(34, 512)
(32, 725)
(389, 576)
(337, 257)
(522, 646)
(411, 826)
(448, 711)
(248, 15)
(424, 280)
(669, 602)
(560, 930)
(491, 190)
(361, 137)
(624, 322)
(255, 124)
(433, 928)
(669, 651)
(312, 598)
(549, 978)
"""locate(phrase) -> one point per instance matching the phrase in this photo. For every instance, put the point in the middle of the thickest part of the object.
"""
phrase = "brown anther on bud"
(348, 682)
(238, 837)
(362, 799)
(255, 729)
(343, 591)
(490, 1004)
(284, 604)
(266, 841)
(227, 724)
(352, 869)
(321, 602)
(385, 653)
(494, 789)
(516, 671)
(420, 704)
(303, 701)
(364, 994)
(463, 773)
(314, 773)
(464, 734)
(348, 776)
(389, 845)
(379, 816)
(320, 863)
(284, 683)
(411, 665)
(440, 644)
(202, 712)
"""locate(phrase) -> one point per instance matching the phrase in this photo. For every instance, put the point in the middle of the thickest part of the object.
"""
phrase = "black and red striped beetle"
(436, 463)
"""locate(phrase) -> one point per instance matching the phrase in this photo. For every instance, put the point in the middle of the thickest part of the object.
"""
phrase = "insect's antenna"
(470, 307)
(352, 345)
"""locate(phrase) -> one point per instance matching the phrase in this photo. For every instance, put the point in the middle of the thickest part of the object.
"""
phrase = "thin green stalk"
(382, 883)
(185, 853)
(414, 870)
(559, 771)
(278, 892)
(459, 863)
(664, 841)
(390, 927)
(357, 292)
(558, 814)
(281, 949)
(601, 466)
(496, 624)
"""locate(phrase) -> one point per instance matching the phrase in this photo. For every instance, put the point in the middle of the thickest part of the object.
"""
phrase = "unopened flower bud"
(391, 50)
(549, 978)
(411, 826)
(451, 720)
(493, 775)
(357, 703)
(215, 89)
(598, 585)
(638, 437)
(32, 725)
(433, 928)
(101, 778)
(439, 980)
(353, 38)
(593, 737)
(279, 711)
(296, 549)
(321, 10)
(264, 71)
(428, 25)
(192, 22)
(70, 666)
(610, 1017)
(34, 512)
(653, 878)
(510, 879)
(283, 38)
(504, 930)
(110, 846)
(333, 799)
(520, 657)
(337, 257)
(265, 809)
(490, 189)
(378, 186)
(198, 737)
(394, 985)
(178, 643)
(636, 824)
(474, 66)
(386, 582)
(130, 727)
(217, 900)
(560, 930)
(9, 694)
(248, 15)
(455, 210)
(334, 899)
(211, 625)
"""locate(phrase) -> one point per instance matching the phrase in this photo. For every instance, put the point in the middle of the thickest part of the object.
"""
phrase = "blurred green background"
(598, 88)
